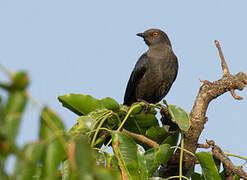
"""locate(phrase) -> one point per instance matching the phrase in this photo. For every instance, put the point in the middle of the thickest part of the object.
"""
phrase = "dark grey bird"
(154, 72)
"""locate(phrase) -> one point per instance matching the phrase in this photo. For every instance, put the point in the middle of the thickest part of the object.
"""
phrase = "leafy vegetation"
(80, 152)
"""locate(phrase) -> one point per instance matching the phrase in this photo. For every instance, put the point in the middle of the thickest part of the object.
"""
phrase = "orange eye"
(155, 34)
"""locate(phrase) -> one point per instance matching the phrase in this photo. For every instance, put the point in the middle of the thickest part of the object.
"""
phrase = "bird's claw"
(147, 106)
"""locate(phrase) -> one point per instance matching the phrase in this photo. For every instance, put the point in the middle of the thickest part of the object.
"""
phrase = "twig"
(235, 95)
(175, 177)
(204, 81)
(181, 158)
(234, 155)
(173, 147)
(98, 128)
(141, 138)
(223, 61)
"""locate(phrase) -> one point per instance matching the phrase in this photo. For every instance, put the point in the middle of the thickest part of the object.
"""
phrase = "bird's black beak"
(140, 34)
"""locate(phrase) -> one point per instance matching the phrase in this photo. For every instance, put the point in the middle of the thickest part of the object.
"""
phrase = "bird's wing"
(136, 75)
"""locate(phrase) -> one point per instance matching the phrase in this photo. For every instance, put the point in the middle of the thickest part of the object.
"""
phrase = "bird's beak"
(140, 34)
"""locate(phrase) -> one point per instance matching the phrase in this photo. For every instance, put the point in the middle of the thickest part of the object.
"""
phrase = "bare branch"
(207, 92)
(224, 66)
(235, 95)
(204, 81)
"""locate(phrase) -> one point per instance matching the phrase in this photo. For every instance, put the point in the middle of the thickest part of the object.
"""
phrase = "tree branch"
(141, 138)
(208, 91)
(223, 62)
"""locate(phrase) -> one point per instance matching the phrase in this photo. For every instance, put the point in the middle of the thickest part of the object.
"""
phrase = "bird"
(154, 72)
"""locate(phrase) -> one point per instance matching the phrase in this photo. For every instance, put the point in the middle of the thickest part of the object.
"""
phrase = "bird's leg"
(145, 102)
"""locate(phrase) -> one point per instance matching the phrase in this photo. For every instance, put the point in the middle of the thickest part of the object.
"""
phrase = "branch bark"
(208, 91)
(141, 138)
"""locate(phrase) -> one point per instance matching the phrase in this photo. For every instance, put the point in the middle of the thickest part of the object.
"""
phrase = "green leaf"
(180, 116)
(66, 170)
(2, 108)
(112, 122)
(3, 175)
(236, 177)
(196, 176)
(100, 159)
(38, 173)
(172, 139)
(217, 163)
(52, 130)
(145, 121)
(157, 134)
(50, 124)
(13, 114)
(87, 122)
(222, 175)
(125, 149)
(25, 167)
(139, 123)
(80, 104)
(111, 162)
(142, 163)
(19, 82)
(156, 178)
(110, 103)
(208, 166)
(83, 125)
(81, 159)
(157, 156)
(138, 109)
(106, 174)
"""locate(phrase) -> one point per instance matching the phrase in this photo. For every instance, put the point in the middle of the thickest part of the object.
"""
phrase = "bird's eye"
(155, 34)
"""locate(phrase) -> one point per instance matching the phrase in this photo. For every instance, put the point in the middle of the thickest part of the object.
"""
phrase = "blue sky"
(91, 47)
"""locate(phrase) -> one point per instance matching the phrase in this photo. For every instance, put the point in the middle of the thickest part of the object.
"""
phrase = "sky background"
(91, 47)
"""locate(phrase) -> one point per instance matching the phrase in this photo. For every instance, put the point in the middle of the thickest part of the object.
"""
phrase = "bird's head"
(155, 36)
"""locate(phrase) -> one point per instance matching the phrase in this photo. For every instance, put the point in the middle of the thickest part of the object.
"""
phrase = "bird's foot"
(147, 106)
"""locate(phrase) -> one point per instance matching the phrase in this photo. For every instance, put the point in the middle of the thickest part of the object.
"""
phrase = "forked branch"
(208, 91)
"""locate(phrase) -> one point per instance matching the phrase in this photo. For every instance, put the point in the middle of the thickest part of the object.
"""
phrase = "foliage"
(81, 150)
